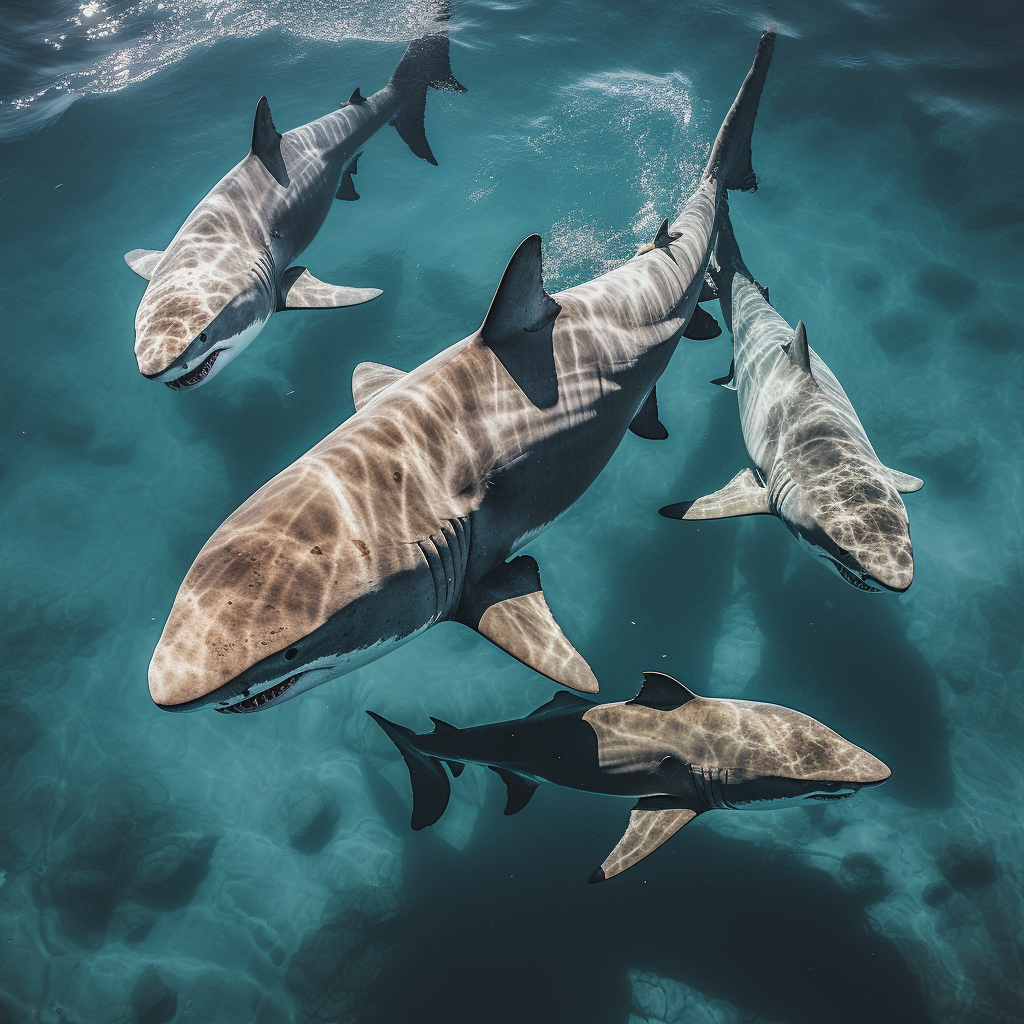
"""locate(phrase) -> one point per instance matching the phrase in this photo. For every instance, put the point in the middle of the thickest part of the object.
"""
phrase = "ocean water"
(260, 868)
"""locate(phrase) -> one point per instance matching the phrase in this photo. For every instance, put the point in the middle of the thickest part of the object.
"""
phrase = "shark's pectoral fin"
(266, 143)
(143, 261)
(301, 290)
(518, 787)
(797, 350)
(517, 328)
(741, 496)
(729, 380)
(905, 483)
(646, 423)
(649, 827)
(346, 190)
(702, 326)
(370, 379)
(507, 607)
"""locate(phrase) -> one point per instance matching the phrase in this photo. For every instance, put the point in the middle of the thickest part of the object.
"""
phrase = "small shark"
(679, 753)
(213, 289)
(406, 514)
(816, 469)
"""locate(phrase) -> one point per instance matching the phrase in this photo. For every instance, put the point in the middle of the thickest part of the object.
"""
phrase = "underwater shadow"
(675, 583)
(507, 930)
(844, 657)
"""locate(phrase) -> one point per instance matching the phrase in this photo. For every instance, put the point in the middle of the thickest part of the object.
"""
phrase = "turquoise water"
(260, 868)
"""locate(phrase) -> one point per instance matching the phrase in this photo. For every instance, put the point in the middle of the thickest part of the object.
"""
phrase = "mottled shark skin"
(817, 470)
(228, 268)
(405, 515)
(679, 753)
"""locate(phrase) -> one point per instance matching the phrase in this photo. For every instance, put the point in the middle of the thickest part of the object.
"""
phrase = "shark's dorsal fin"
(797, 349)
(702, 326)
(519, 789)
(741, 496)
(357, 97)
(664, 237)
(369, 379)
(729, 380)
(517, 328)
(299, 289)
(266, 143)
(648, 828)
(646, 423)
(561, 702)
(662, 692)
(507, 607)
(905, 483)
(143, 261)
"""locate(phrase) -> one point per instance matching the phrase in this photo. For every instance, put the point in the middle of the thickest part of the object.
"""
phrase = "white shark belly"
(231, 347)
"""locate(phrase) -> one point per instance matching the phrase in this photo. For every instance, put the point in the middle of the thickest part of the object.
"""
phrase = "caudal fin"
(426, 63)
(431, 788)
(730, 160)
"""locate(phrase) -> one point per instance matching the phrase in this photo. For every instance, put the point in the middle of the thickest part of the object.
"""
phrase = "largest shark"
(229, 267)
(406, 514)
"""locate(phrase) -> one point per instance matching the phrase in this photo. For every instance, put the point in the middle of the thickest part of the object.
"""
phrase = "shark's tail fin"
(431, 788)
(730, 159)
(425, 64)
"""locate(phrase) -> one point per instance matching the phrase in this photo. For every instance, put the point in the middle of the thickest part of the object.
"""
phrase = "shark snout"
(871, 771)
(894, 572)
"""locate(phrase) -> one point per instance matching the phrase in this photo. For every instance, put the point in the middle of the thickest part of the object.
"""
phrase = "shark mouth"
(196, 376)
(830, 796)
(853, 579)
(260, 700)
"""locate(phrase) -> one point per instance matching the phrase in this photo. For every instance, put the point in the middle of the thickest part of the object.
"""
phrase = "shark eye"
(202, 336)
(291, 653)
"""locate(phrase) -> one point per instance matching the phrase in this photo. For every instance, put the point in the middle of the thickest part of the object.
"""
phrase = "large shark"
(816, 468)
(679, 753)
(405, 515)
(229, 267)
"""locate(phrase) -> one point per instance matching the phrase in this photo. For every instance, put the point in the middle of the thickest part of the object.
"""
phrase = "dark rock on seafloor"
(949, 457)
(968, 868)
(152, 1001)
(946, 286)
(899, 329)
(863, 874)
(936, 894)
(310, 814)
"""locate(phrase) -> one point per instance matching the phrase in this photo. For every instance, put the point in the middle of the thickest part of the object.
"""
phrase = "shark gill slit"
(708, 782)
(447, 565)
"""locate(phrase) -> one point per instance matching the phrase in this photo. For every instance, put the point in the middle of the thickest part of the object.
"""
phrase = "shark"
(408, 513)
(680, 754)
(231, 264)
(815, 467)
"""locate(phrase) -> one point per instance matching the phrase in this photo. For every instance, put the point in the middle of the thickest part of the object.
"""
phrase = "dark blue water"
(260, 868)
